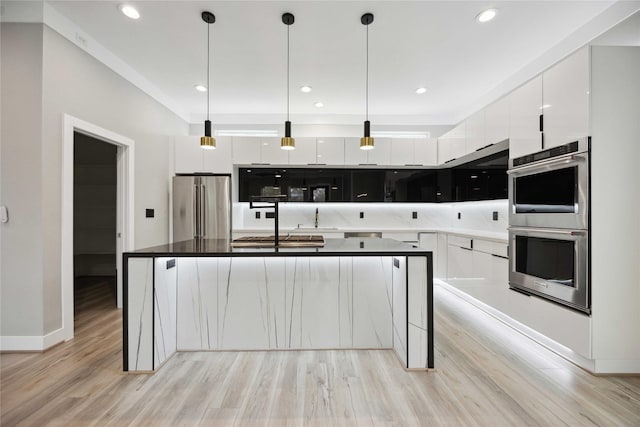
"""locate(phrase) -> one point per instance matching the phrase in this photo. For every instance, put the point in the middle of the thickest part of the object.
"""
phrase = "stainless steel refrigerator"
(201, 207)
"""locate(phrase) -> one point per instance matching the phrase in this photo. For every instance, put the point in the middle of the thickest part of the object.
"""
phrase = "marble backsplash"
(473, 216)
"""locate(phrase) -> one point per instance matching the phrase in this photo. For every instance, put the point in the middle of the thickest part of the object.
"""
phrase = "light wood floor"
(486, 375)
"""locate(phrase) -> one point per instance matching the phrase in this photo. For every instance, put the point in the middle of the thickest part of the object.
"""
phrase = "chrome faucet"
(316, 222)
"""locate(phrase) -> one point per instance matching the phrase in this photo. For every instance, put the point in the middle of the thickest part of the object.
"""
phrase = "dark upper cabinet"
(483, 179)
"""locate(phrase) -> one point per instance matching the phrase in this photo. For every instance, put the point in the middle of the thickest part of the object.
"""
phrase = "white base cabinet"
(481, 275)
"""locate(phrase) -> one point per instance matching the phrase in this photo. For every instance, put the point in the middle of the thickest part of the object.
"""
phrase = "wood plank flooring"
(486, 375)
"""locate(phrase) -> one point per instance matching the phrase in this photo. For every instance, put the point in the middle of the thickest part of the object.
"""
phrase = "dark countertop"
(333, 247)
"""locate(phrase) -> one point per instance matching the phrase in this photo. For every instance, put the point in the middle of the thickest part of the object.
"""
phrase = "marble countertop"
(502, 237)
(333, 247)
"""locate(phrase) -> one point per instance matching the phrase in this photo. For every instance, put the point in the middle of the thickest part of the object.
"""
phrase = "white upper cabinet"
(565, 97)
(353, 155)
(255, 150)
(246, 150)
(379, 155)
(220, 159)
(271, 153)
(452, 144)
(496, 121)
(330, 151)
(524, 118)
(402, 151)
(426, 152)
(305, 152)
(190, 158)
(414, 152)
(474, 132)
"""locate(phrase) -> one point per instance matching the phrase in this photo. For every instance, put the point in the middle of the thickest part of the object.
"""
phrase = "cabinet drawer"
(490, 247)
(463, 242)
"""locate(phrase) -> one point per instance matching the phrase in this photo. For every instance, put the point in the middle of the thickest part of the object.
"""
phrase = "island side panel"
(197, 294)
(399, 276)
(140, 314)
(372, 305)
(419, 311)
(164, 310)
(250, 304)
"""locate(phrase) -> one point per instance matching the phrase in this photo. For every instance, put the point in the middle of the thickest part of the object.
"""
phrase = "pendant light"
(366, 142)
(287, 142)
(207, 141)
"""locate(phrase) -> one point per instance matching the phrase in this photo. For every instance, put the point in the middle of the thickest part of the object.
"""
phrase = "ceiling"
(435, 44)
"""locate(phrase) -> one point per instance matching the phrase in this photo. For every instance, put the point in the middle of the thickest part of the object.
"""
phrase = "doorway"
(94, 221)
(124, 229)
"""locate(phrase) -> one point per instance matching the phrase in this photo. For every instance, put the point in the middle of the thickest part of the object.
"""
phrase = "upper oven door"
(552, 193)
(551, 263)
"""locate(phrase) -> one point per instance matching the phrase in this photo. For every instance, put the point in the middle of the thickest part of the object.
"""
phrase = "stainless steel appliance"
(201, 207)
(549, 225)
(551, 188)
(551, 263)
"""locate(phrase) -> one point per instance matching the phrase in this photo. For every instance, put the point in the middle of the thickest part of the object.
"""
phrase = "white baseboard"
(610, 367)
(32, 343)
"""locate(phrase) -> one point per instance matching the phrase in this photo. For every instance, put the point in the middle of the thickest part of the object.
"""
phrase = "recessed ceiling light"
(421, 90)
(305, 89)
(318, 104)
(486, 15)
(545, 106)
(129, 11)
(200, 88)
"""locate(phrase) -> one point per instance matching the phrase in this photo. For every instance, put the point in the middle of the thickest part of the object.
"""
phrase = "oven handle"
(548, 231)
(573, 158)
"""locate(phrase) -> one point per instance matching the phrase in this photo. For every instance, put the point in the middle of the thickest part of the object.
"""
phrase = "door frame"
(124, 207)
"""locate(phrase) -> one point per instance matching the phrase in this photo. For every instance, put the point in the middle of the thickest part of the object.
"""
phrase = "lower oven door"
(551, 263)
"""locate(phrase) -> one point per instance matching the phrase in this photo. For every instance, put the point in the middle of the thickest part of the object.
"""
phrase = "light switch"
(4, 214)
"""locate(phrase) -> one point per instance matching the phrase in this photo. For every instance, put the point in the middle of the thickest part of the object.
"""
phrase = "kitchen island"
(205, 295)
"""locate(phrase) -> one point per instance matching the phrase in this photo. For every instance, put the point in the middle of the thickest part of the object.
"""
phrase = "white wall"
(21, 272)
(72, 83)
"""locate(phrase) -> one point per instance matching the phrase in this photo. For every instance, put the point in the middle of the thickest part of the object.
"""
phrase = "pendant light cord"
(208, 59)
(367, 78)
(288, 72)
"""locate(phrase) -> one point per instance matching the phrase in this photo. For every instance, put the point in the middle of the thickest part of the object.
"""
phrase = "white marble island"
(203, 295)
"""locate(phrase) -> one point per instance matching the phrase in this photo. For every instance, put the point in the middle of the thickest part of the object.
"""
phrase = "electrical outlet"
(414, 215)
(459, 215)
(270, 215)
(495, 215)
(361, 215)
(257, 215)
(149, 213)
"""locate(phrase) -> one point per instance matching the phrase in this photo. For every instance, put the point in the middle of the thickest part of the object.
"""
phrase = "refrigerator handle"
(203, 211)
(196, 213)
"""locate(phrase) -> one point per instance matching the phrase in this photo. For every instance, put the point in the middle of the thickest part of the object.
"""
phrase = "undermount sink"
(284, 241)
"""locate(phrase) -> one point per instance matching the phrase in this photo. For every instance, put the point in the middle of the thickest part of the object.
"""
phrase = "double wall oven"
(549, 224)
